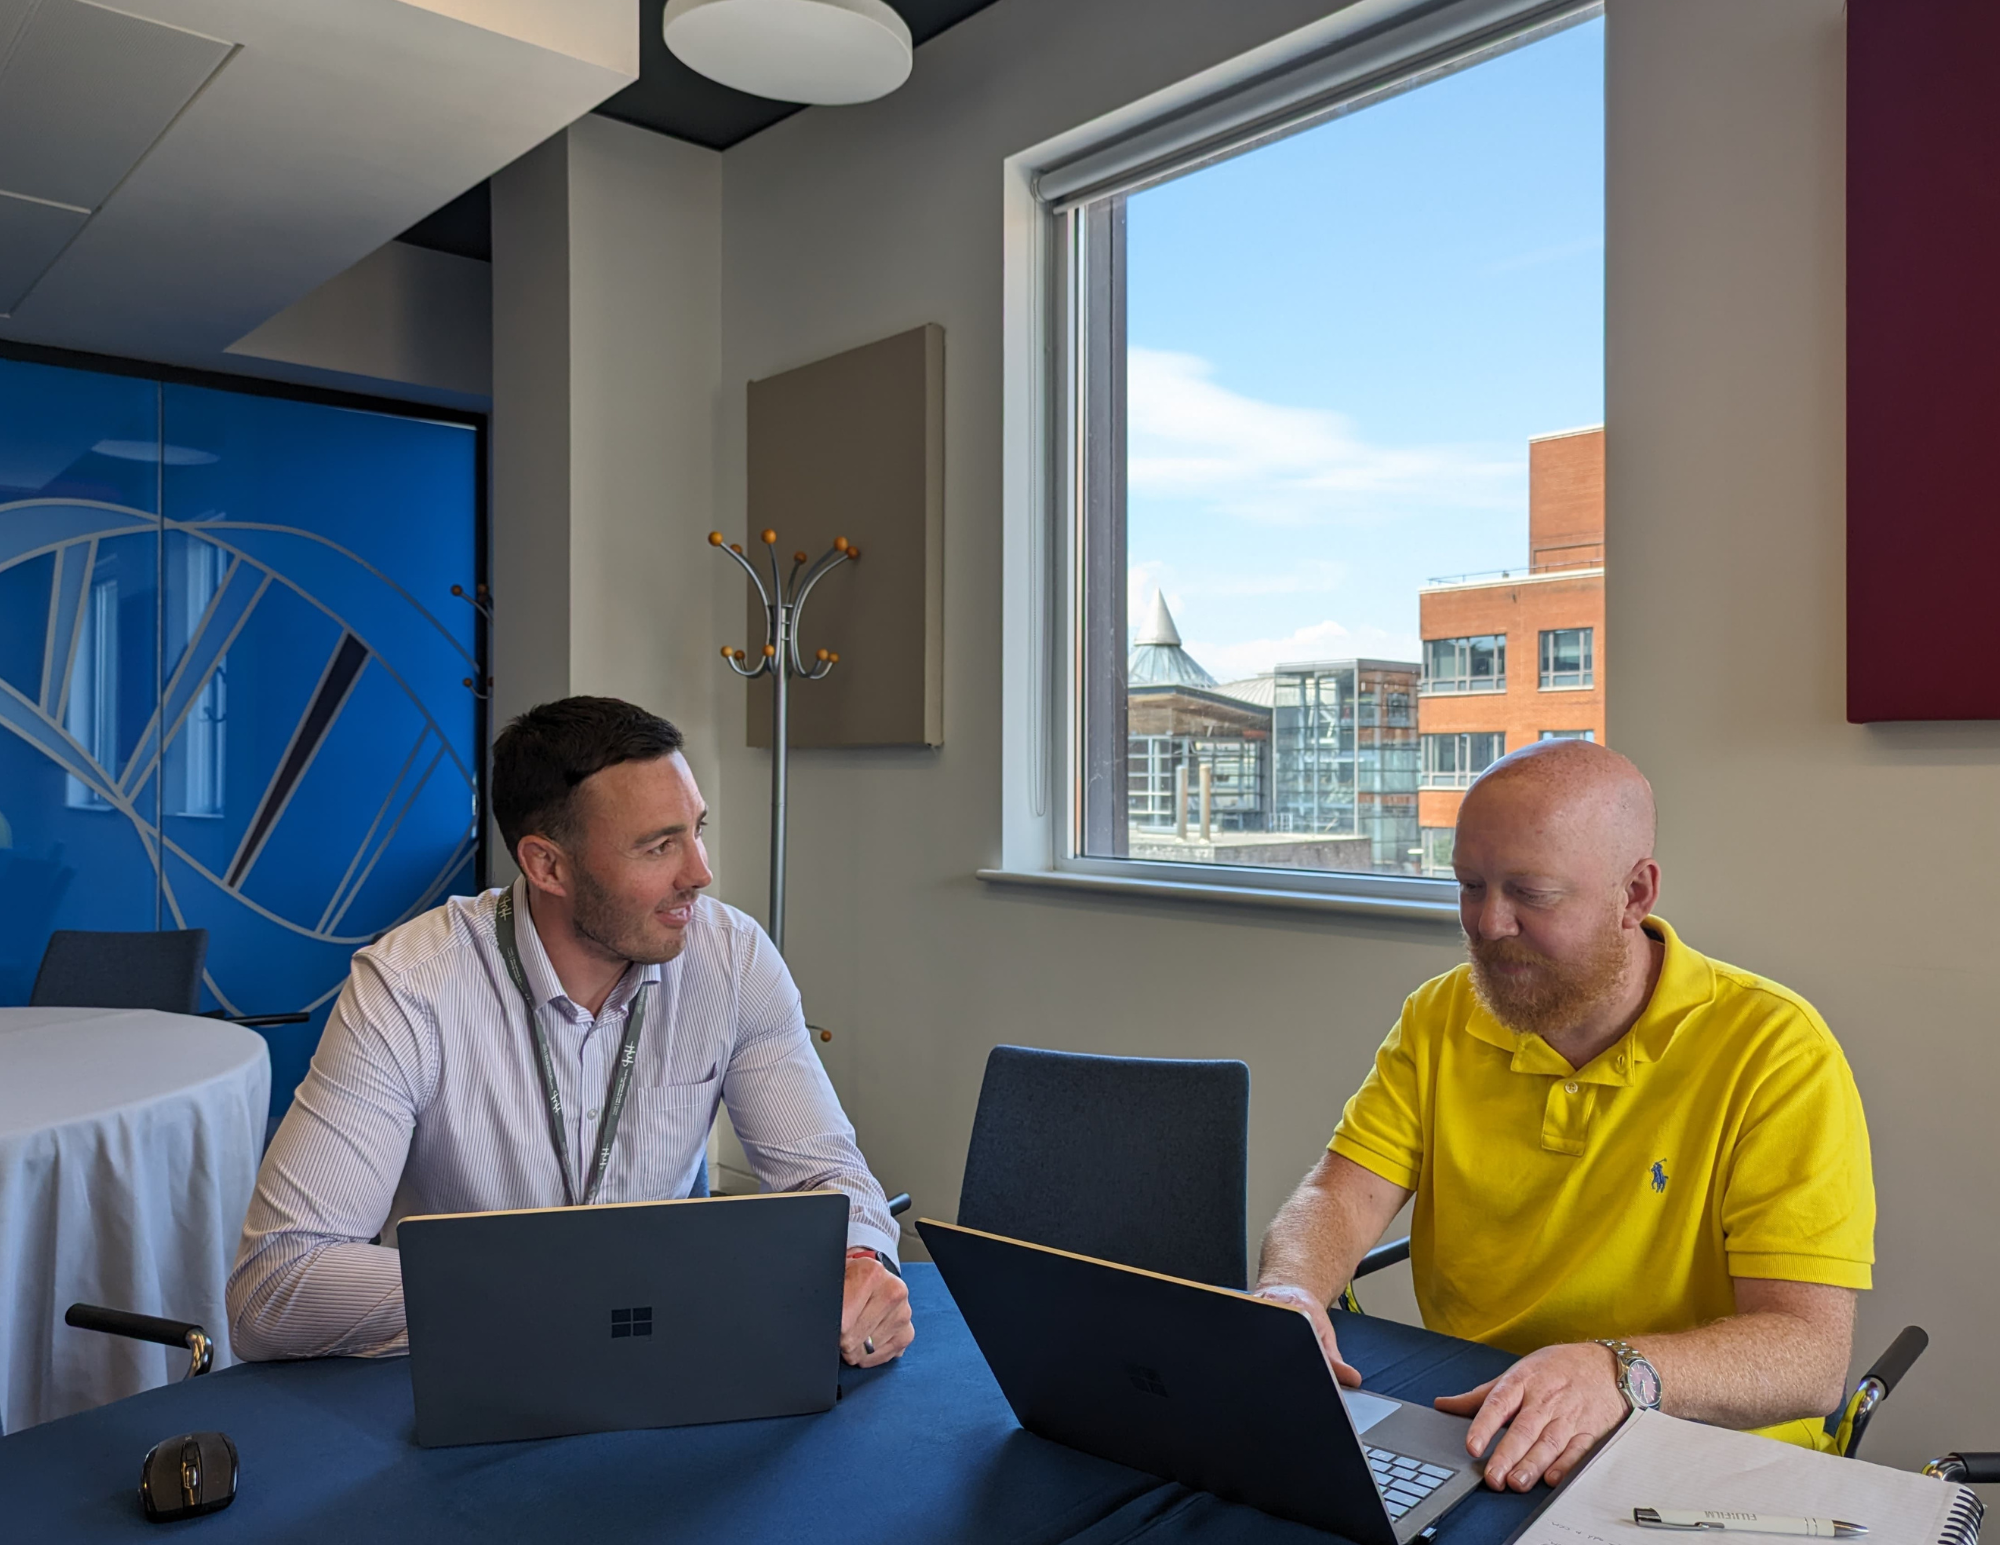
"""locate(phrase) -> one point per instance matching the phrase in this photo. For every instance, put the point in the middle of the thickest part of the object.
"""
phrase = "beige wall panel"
(853, 446)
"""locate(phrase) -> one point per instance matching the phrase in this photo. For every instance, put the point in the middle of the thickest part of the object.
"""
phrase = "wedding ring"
(868, 1345)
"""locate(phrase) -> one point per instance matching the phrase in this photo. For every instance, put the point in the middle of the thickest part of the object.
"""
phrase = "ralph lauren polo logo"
(1659, 1175)
(632, 1322)
(1146, 1380)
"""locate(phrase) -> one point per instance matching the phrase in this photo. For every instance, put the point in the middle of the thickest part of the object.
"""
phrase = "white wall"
(607, 352)
(841, 227)
(1844, 861)
(1848, 862)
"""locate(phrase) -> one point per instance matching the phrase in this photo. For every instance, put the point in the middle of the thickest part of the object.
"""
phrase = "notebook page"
(1658, 1461)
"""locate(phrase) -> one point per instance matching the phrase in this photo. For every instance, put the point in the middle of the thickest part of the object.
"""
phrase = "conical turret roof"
(1157, 657)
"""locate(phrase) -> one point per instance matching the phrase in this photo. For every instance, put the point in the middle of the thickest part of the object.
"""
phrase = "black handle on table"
(899, 1204)
(257, 1021)
(1972, 1469)
(135, 1327)
(146, 1327)
(1890, 1367)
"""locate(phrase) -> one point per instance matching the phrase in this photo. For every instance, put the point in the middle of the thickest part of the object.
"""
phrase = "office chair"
(1138, 1160)
(1845, 1426)
(150, 969)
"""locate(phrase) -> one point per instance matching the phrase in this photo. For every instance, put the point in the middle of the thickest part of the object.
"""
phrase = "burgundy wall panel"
(1923, 359)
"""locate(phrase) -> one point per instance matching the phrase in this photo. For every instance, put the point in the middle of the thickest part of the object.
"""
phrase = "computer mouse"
(187, 1476)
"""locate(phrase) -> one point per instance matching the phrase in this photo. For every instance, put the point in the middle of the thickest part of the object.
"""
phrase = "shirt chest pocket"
(663, 1136)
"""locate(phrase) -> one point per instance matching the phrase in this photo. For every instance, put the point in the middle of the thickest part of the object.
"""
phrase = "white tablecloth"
(129, 1145)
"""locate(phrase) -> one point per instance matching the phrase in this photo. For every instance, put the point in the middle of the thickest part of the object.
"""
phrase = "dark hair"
(541, 757)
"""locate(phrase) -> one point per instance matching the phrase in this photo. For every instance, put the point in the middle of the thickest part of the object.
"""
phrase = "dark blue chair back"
(1138, 1160)
(158, 970)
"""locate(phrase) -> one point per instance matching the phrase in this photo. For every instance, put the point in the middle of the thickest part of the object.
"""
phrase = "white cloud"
(1190, 438)
(1328, 640)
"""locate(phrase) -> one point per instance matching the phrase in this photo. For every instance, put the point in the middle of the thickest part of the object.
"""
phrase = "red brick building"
(1518, 656)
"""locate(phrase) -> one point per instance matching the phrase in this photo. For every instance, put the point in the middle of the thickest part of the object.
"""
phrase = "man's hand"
(874, 1311)
(1295, 1297)
(1559, 1402)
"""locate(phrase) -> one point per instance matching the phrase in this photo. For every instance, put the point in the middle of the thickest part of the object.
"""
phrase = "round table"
(129, 1145)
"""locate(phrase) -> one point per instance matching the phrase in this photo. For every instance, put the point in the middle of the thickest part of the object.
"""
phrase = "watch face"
(1642, 1384)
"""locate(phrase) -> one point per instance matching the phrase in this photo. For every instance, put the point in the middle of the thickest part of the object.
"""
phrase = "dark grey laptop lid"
(1216, 1390)
(536, 1323)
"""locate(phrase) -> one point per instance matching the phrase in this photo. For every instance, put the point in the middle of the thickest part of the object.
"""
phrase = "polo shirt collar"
(1686, 983)
(541, 974)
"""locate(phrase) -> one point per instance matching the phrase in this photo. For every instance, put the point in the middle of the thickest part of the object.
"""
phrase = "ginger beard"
(1544, 996)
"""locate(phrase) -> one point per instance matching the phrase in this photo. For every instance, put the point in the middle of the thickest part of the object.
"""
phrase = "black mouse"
(187, 1476)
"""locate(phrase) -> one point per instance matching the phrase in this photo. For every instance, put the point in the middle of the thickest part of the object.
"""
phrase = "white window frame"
(1369, 50)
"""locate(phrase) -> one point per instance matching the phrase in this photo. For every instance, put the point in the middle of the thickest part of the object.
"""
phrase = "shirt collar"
(542, 979)
(1686, 983)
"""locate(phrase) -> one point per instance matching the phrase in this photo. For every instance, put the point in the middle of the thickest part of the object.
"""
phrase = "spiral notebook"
(1658, 1461)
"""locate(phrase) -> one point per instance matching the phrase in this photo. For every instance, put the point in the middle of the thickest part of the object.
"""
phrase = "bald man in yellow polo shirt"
(1644, 1170)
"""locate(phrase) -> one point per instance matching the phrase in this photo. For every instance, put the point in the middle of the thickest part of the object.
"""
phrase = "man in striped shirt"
(430, 1091)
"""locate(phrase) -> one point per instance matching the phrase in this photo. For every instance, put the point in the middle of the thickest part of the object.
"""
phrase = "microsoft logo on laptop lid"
(636, 1321)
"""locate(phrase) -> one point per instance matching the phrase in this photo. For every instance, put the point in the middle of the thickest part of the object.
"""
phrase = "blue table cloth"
(922, 1449)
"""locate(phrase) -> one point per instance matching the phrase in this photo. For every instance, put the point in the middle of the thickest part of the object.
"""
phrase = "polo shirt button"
(1569, 1088)
(1618, 1062)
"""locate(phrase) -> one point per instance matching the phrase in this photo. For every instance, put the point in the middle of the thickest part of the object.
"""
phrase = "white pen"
(1746, 1523)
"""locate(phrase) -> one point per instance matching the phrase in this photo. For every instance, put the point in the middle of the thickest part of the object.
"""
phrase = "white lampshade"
(822, 51)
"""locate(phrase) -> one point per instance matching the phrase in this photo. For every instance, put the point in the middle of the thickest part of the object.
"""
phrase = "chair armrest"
(1889, 1368)
(899, 1204)
(1972, 1469)
(146, 1327)
(257, 1021)
(1395, 1251)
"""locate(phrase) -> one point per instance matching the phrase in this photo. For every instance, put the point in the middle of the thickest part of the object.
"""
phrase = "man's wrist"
(868, 1253)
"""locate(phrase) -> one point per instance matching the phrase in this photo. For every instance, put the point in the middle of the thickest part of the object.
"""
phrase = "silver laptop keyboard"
(1404, 1482)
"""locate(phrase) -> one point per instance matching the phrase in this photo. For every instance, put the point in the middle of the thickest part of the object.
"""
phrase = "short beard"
(1552, 997)
(596, 915)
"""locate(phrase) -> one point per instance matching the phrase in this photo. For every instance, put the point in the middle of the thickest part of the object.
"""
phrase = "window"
(1569, 735)
(1465, 664)
(1566, 659)
(92, 717)
(1305, 366)
(1453, 761)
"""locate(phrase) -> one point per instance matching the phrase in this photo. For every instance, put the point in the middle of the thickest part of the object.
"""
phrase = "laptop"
(1215, 1389)
(555, 1320)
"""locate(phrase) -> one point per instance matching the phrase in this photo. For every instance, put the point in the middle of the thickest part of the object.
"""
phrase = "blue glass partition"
(235, 688)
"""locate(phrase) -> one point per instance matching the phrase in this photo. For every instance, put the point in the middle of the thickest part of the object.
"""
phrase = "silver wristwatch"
(1638, 1380)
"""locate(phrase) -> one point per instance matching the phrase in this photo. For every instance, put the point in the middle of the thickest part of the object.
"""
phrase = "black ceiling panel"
(669, 98)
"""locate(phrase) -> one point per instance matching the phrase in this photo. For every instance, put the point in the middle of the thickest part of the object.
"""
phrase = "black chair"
(1846, 1426)
(147, 1327)
(1138, 1160)
(154, 969)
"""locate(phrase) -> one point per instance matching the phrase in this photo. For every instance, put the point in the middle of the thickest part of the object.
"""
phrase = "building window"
(1465, 665)
(1437, 846)
(1568, 735)
(1453, 761)
(1567, 662)
(1279, 424)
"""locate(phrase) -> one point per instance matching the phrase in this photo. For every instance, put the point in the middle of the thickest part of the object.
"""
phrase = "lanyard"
(621, 1077)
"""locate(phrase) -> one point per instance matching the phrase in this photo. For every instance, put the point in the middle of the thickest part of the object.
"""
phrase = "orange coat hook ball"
(728, 653)
(834, 657)
(770, 538)
(854, 554)
(769, 650)
(840, 544)
(798, 557)
(822, 655)
(715, 539)
(736, 547)
(738, 654)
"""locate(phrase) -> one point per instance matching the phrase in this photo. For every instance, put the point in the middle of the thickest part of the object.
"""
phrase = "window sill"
(1581, 686)
(1209, 893)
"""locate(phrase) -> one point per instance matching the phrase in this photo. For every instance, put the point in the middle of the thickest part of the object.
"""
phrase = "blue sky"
(1340, 345)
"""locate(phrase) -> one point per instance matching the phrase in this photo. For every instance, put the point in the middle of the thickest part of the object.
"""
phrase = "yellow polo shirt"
(1721, 1137)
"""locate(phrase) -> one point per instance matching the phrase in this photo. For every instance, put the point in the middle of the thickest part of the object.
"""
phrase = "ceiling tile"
(86, 92)
(32, 235)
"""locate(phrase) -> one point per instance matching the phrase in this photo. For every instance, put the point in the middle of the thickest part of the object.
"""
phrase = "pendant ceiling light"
(822, 51)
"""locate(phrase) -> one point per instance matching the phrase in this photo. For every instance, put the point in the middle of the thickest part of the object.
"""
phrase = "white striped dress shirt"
(424, 1096)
